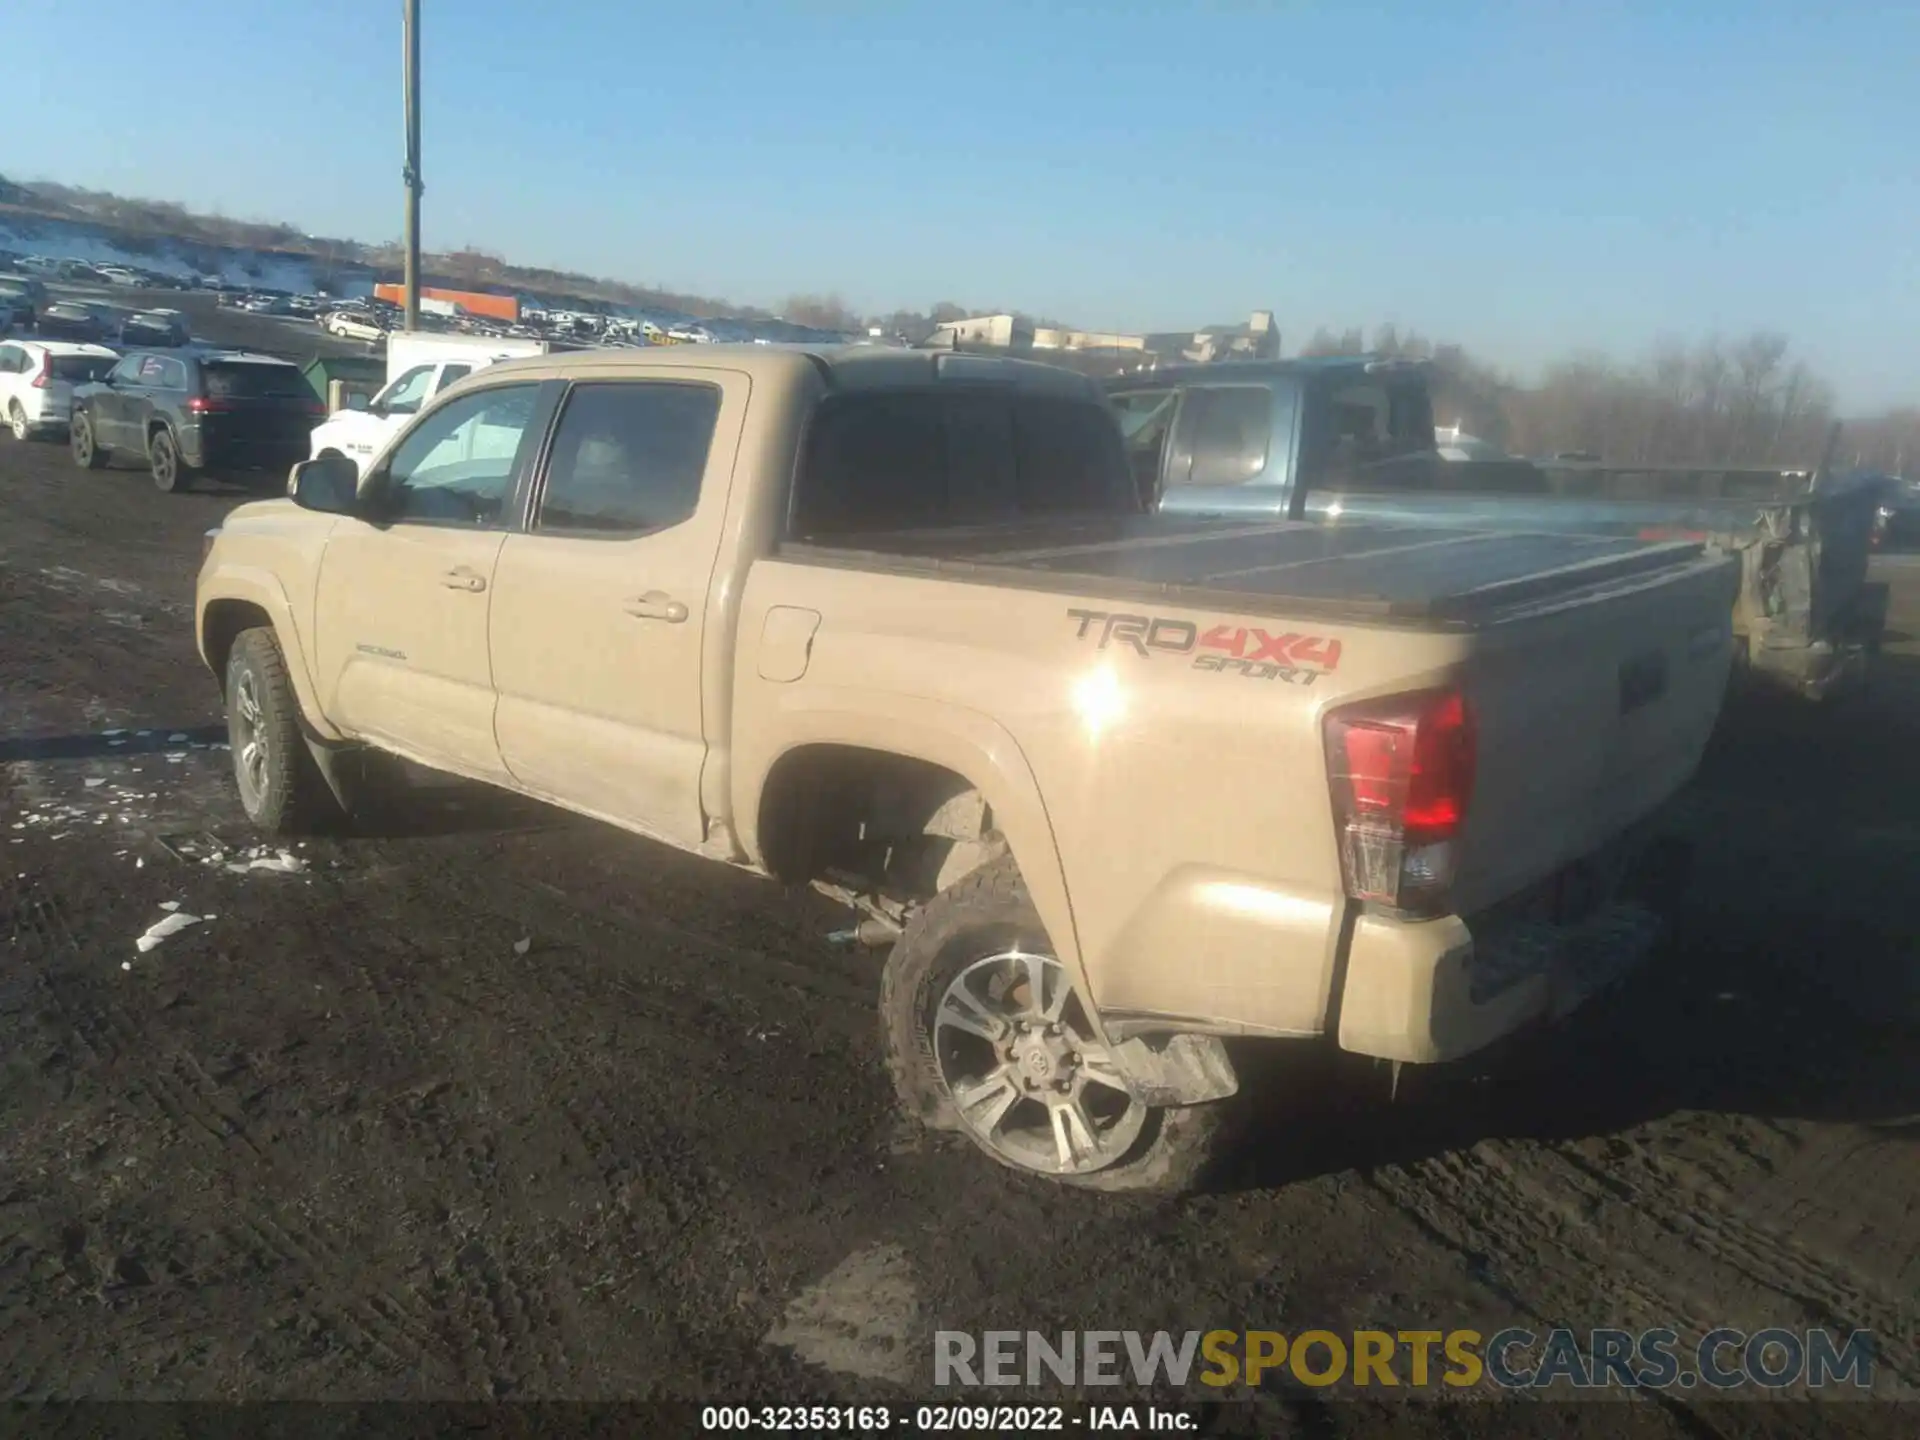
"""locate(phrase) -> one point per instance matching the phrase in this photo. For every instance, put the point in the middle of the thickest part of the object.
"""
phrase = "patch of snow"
(858, 1319)
(170, 924)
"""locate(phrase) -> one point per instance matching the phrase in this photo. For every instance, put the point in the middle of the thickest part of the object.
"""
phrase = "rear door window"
(629, 457)
(152, 371)
(1370, 422)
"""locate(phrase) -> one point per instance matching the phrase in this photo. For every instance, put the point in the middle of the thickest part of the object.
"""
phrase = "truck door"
(600, 611)
(1230, 450)
(403, 602)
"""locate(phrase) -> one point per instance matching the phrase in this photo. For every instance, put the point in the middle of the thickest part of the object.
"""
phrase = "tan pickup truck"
(1115, 787)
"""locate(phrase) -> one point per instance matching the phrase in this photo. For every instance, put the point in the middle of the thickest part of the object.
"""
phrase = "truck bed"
(1418, 576)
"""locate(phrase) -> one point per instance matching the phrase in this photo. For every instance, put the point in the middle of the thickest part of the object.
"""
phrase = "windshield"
(254, 380)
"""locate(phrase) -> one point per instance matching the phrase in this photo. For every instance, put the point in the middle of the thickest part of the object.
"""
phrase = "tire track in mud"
(671, 1001)
(175, 1089)
(1535, 1217)
(1835, 1294)
(496, 1323)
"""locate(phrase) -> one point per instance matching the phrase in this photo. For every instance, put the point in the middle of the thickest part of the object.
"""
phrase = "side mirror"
(328, 485)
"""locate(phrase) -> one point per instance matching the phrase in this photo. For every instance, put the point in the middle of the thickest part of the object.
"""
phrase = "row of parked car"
(25, 305)
(181, 412)
(85, 272)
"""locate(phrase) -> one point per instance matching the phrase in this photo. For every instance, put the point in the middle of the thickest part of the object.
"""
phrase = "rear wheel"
(87, 453)
(170, 473)
(986, 1035)
(17, 421)
(281, 789)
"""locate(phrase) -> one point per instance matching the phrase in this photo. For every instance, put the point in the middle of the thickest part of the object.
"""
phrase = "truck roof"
(1225, 372)
(842, 367)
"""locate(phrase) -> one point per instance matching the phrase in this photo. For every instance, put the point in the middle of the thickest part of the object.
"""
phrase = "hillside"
(162, 231)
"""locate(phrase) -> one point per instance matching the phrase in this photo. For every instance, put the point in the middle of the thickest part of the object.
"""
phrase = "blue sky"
(1524, 178)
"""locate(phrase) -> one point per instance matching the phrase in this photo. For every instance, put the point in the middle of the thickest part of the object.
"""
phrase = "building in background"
(1257, 339)
(464, 302)
(1007, 332)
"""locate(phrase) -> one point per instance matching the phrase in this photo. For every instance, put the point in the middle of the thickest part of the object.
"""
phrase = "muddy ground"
(348, 1138)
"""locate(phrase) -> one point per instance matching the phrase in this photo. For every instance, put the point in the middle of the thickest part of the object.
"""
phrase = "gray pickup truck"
(1352, 439)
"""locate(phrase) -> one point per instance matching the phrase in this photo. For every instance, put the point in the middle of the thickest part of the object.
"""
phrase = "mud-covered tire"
(280, 787)
(989, 909)
(171, 474)
(84, 446)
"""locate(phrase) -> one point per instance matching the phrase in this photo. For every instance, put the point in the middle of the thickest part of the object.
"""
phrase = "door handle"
(461, 578)
(657, 605)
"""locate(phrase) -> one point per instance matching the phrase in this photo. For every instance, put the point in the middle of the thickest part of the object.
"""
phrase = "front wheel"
(87, 453)
(986, 1035)
(281, 789)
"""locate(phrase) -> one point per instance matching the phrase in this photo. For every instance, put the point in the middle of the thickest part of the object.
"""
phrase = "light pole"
(411, 38)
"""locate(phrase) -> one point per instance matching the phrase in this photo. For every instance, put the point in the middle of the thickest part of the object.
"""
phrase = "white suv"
(37, 378)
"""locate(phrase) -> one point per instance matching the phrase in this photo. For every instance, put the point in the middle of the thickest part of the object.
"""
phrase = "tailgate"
(1590, 715)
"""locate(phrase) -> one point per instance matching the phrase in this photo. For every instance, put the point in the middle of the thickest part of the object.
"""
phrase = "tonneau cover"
(1418, 574)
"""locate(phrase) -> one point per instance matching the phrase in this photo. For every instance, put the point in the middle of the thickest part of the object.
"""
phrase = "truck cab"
(419, 367)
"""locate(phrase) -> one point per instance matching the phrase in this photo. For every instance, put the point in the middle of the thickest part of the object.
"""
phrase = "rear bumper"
(47, 414)
(1427, 991)
(216, 454)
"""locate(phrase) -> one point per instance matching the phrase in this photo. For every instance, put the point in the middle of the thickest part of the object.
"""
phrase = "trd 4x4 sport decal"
(1224, 649)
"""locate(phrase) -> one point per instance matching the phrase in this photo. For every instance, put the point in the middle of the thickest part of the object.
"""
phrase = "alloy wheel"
(1025, 1071)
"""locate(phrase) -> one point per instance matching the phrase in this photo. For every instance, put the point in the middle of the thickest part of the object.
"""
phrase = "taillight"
(1401, 772)
(45, 377)
(201, 405)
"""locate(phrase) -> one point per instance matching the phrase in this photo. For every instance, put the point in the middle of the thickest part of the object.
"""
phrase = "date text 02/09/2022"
(946, 1419)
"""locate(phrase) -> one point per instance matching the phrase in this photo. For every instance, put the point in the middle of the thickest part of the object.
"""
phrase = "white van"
(419, 367)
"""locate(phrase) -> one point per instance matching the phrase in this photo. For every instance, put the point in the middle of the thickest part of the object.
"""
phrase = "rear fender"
(964, 741)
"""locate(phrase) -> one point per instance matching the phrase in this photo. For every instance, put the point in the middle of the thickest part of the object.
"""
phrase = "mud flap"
(342, 768)
(1176, 1069)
